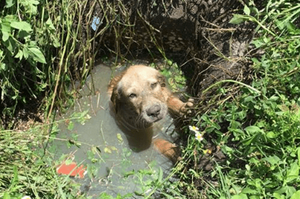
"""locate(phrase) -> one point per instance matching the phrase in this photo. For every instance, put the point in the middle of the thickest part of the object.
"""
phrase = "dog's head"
(139, 97)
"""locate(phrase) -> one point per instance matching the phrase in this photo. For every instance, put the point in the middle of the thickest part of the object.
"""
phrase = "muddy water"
(110, 158)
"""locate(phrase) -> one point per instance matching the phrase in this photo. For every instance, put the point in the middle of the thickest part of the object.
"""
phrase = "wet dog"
(140, 98)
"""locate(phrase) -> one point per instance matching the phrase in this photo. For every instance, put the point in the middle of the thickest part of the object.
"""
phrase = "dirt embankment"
(196, 34)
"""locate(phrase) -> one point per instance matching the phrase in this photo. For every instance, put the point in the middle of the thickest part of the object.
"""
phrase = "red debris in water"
(71, 169)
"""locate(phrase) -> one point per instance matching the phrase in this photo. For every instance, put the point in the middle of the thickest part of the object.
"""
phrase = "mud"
(196, 34)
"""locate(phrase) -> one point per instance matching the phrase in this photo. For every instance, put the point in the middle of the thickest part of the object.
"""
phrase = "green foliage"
(151, 181)
(27, 164)
(22, 59)
(268, 149)
(107, 196)
(38, 49)
(26, 171)
(258, 131)
(174, 76)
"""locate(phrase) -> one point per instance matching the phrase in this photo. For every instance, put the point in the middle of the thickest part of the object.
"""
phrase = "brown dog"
(140, 98)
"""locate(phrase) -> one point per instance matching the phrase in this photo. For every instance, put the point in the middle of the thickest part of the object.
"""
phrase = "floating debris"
(71, 169)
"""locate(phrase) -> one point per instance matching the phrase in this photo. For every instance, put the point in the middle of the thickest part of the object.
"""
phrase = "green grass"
(26, 169)
(38, 51)
(258, 130)
(35, 65)
(28, 161)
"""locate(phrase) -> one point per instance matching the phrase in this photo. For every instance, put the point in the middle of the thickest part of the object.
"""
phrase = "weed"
(25, 172)
(258, 130)
(36, 51)
(174, 76)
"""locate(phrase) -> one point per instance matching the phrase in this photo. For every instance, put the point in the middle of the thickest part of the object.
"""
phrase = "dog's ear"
(114, 89)
(115, 97)
(161, 80)
(114, 82)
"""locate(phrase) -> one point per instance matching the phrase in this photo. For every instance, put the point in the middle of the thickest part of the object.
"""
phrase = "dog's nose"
(153, 111)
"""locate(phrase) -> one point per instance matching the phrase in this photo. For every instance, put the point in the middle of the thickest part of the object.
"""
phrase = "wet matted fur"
(140, 97)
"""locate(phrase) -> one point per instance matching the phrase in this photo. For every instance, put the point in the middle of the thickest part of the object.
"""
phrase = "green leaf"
(68, 161)
(50, 24)
(21, 25)
(258, 43)
(11, 45)
(296, 195)
(248, 190)
(278, 196)
(15, 179)
(271, 134)
(253, 129)
(25, 52)
(169, 62)
(104, 195)
(6, 195)
(5, 29)
(70, 125)
(19, 54)
(30, 6)
(237, 19)
(240, 196)
(160, 175)
(293, 172)
(5, 36)
(107, 150)
(288, 191)
(3, 66)
(9, 3)
(246, 10)
(298, 154)
(37, 55)
(119, 136)
(55, 41)
(273, 160)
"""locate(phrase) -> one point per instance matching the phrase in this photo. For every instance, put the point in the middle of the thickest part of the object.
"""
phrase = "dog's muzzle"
(155, 113)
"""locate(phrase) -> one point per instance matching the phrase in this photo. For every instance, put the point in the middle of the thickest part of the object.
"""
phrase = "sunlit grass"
(257, 130)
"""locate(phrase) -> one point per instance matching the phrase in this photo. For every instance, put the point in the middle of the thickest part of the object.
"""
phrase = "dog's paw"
(187, 106)
(168, 149)
(190, 103)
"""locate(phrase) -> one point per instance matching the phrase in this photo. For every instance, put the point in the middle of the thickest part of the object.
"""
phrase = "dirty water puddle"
(111, 164)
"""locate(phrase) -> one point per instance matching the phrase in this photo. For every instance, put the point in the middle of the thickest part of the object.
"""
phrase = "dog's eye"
(132, 95)
(153, 85)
